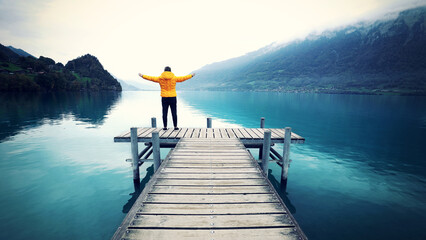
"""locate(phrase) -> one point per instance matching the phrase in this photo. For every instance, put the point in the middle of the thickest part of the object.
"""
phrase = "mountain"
(20, 52)
(385, 56)
(89, 67)
(128, 87)
(86, 73)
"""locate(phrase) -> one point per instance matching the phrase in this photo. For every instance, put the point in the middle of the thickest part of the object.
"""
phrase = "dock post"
(135, 157)
(262, 125)
(209, 122)
(154, 122)
(286, 156)
(156, 150)
(265, 151)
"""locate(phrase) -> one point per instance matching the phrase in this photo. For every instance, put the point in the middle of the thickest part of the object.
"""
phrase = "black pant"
(166, 102)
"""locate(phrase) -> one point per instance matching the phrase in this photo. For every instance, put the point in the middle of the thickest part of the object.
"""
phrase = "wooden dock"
(209, 186)
(246, 135)
(209, 189)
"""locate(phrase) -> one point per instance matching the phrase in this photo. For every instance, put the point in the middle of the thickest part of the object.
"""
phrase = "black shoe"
(176, 128)
(164, 129)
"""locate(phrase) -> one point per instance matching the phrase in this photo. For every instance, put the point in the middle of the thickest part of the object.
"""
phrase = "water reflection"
(138, 186)
(25, 110)
(283, 193)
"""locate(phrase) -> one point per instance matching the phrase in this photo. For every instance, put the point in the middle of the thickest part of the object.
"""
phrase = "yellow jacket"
(167, 82)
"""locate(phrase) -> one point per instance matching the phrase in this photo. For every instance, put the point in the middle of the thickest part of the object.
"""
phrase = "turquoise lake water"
(361, 173)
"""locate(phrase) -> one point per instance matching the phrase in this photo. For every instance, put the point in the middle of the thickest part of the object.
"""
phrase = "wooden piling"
(286, 156)
(156, 150)
(209, 122)
(135, 155)
(262, 125)
(265, 151)
(154, 122)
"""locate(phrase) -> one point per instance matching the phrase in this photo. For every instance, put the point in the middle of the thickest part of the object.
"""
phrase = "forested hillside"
(20, 73)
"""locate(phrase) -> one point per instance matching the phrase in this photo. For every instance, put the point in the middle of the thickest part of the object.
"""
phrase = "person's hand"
(140, 74)
(193, 75)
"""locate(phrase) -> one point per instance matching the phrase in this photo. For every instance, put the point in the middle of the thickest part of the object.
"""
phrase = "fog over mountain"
(383, 56)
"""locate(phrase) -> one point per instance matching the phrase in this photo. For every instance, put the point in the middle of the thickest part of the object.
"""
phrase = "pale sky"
(129, 36)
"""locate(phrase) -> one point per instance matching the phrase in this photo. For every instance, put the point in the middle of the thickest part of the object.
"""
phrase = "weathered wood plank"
(201, 142)
(214, 155)
(253, 134)
(141, 131)
(211, 140)
(206, 222)
(165, 134)
(245, 133)
(185, 146)
(217, 133)
(188, 133)
(123, 135)
(230, 133)
(274, 134)
(174, 133)
(196, 133)
(279, 131)
(181, 132)
(229, 198)
(210, 159)
(223, 133)
(210, 133)
(203, 133)
(259, 131)
(211, 165)
(210, 150)
(210, 170)
(294, 136)
(211, 190)
(285, 233)
(237, 133)
(209, 182)
(191, 209)
(148, 134)
(195, 161)
(206, 156)
(211, 175)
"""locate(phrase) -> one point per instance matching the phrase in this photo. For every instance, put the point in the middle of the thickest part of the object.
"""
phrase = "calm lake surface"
(361, 173)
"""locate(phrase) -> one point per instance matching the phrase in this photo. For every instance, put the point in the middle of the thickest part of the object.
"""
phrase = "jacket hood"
(167, 75)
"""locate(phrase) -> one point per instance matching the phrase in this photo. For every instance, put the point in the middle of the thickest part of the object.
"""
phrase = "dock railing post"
(135, 157)
(265, 151)
(156, 150)
(154, 122)
(262, 125)
(209, 122)
(286, 156)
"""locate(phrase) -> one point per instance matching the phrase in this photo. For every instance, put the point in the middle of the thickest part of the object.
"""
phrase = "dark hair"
(167, 69)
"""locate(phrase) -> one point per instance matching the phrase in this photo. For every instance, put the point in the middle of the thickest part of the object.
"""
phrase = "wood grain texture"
(212, 222)
(285, 233)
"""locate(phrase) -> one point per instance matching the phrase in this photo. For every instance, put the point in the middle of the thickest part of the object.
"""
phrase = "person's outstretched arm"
(184, 78)
(150, 78)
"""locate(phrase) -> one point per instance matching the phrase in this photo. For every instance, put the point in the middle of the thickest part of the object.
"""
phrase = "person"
(167, 81)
